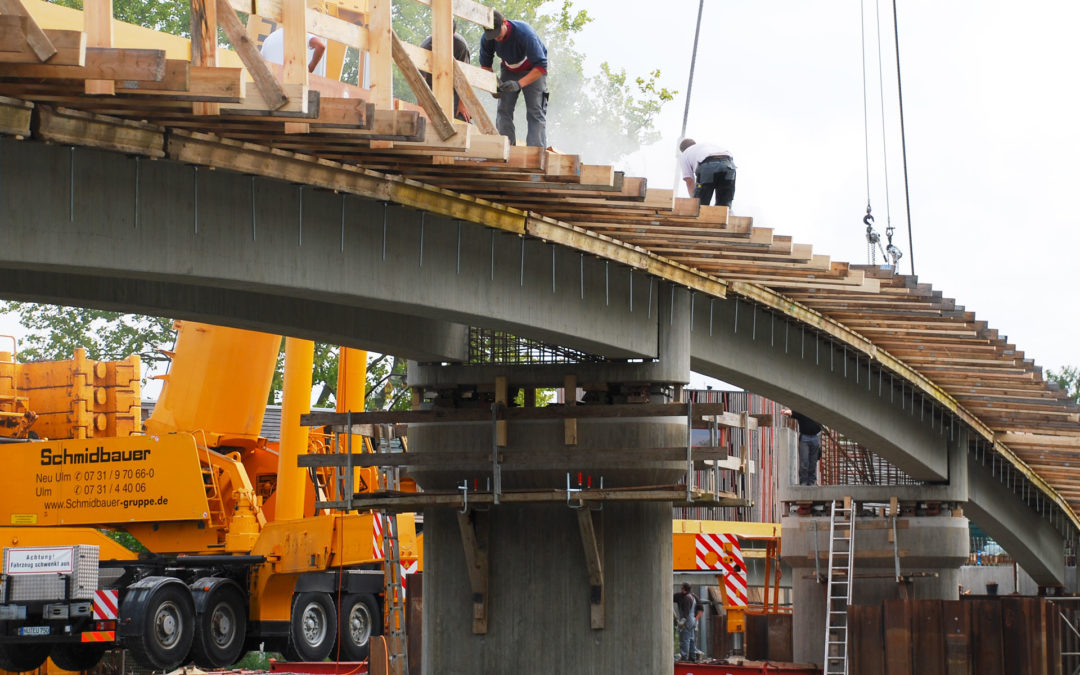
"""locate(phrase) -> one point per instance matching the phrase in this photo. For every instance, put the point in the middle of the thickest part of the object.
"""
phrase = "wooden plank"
(36, 38)
(442, 55)
(475, 530)
(501, 401)
(928, 643)
(570, 435)
(464, 90)
(13, 30)
(204, 27)
(97, 15)
(956, 623)
(222, 85)
(435, 112)
(268, 86)
(70, 45)
(99, 63)
(470, 10)
(898, 638)
(74, 127)
(594, 563)
(381, 54)
(15, 117)
(866, 640)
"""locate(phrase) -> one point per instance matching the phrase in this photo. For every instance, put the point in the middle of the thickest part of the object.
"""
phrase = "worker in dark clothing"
(462, 54)
(524, 70)
(708, 170)
(809, 448)
(689, 613)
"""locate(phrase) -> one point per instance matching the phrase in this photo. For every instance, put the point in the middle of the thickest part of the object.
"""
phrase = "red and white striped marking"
(722, 552)
(406, 569)
(376, 538)
(106, 604)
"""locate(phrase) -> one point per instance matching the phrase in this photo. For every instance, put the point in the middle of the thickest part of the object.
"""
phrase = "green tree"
(167, 16)
(54, 332)
(1068, 378)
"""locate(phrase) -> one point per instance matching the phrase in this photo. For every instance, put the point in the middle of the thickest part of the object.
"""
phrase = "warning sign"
(40, 560)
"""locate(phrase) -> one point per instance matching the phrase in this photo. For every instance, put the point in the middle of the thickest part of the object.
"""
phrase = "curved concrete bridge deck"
(369, 226)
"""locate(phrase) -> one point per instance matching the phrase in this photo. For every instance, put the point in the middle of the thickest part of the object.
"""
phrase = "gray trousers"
(536, 100)
(688, 641)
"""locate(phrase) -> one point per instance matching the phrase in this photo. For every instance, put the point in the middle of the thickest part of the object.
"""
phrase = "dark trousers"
(809, 454)
(716, 177)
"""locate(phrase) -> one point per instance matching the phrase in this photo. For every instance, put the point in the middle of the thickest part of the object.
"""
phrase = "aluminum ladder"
(396, 648)
(838, 593)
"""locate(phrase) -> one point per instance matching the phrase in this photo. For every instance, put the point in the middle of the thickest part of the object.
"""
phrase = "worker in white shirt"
(708, 170)
(273, 49)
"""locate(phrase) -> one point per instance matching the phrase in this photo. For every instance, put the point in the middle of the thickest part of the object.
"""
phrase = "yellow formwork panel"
(74, 398)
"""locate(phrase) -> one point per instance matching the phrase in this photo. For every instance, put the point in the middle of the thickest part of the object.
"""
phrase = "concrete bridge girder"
(101, 214)
(739, 343)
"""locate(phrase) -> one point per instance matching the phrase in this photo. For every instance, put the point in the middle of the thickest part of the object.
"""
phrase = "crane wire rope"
(686, 108)
(903, 140)
(693, 62)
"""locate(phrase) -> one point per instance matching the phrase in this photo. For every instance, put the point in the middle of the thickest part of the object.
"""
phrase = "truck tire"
(312, 628)
(18, 658)
(167, 630)
(360, 620)
(220, 629)
(77, 657)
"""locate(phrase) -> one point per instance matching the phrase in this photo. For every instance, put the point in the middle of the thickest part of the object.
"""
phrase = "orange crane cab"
(236, 554)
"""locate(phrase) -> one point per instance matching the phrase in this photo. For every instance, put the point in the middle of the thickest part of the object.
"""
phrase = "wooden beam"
(204, 46)
(268, 86)
(479, 78)
(70, 45)
(472, 103)
(435, 112)
(470, 11)
(380, 47)
(15, 117)
(442, 55)
(501, 400)
(594, 563)
(75, 127)
(36, 38)
(97, 15)
(475, 533)
(570, 436)
(100, 64)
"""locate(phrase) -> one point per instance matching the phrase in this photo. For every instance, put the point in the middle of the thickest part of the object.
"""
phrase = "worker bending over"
(524, 70)
(708, 169)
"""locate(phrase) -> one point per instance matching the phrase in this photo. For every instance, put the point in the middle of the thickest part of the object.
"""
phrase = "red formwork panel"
(745, 668)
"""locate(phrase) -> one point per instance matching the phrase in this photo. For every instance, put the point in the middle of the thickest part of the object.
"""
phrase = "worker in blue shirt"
(524, 70)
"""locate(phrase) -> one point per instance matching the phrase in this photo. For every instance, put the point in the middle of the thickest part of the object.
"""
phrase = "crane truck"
(233, 553)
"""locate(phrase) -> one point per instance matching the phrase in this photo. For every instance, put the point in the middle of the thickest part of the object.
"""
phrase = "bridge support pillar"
(927, 550)
(522, 586)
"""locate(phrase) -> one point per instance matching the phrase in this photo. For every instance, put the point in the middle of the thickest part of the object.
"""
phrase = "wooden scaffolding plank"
(35, 38)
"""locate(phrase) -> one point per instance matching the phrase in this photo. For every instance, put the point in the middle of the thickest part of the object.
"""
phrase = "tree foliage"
(167, 16)
(54, 332)
(1068, 378)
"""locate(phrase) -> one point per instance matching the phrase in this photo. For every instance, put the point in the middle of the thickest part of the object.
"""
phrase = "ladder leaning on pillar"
(838, 591)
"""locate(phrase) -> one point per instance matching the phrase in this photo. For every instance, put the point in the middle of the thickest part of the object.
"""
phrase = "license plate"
(34, 630)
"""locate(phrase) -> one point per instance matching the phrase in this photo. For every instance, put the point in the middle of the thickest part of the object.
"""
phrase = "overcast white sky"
(992, 103)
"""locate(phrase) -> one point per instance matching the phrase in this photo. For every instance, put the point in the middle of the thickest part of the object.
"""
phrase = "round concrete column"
(931, 550)
(539, 591)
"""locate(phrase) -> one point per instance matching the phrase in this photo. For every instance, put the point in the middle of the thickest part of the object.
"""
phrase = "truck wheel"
(220, 630)
(168, 628)
(77, 657)
(313, 627)
(18, 658)
(359, 621)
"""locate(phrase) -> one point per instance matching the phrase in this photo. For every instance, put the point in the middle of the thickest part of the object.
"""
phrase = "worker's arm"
(690, 185)
(319, 48)
(530, 77)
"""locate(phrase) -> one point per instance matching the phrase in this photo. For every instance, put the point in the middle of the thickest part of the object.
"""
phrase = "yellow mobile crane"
(236, 554)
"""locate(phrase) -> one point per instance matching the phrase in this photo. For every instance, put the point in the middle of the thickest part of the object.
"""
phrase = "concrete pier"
(928, 549)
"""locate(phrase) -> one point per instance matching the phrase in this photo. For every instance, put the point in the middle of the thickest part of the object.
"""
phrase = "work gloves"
(509, 86)
(682, 622)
